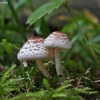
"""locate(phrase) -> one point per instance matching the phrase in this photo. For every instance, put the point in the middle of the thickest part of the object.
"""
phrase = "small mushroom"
(33, 49)
(58, 41)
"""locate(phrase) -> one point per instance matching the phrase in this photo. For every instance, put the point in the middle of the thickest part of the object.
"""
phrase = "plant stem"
(42, 68)
(58, 65)
(24, 63)
(17, 20)
(82, 33)
(3, 10)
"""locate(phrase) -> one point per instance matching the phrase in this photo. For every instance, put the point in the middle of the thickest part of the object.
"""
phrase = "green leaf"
(27, 95)
(12, 81)
(85, 90)
(8, 48)
(46, 84)
(42, 28)
(65, 85)
(44, 9)
(69, 28)
(5, 75)
(94, 45)
(4, 40)
(59, 95)
(97, 50)
(9, 89)
(71, 97)
(2, 52)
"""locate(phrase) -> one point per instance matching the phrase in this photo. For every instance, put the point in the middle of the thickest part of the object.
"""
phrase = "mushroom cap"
(33, 49)
(57, 40)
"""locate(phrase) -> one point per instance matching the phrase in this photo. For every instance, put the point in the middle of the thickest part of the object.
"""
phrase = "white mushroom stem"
(42, 68)
(58, 65)
(24, 63)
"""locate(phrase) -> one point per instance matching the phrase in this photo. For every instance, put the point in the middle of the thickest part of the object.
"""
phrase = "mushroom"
(33, 49)
(58, 41)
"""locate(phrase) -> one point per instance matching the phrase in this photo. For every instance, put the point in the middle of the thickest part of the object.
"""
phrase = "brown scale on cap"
(37, 39)
(58, 34)
(57, 40)
(34, 49)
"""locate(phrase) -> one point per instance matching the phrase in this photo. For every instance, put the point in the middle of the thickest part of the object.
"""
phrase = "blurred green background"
(85, 12)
